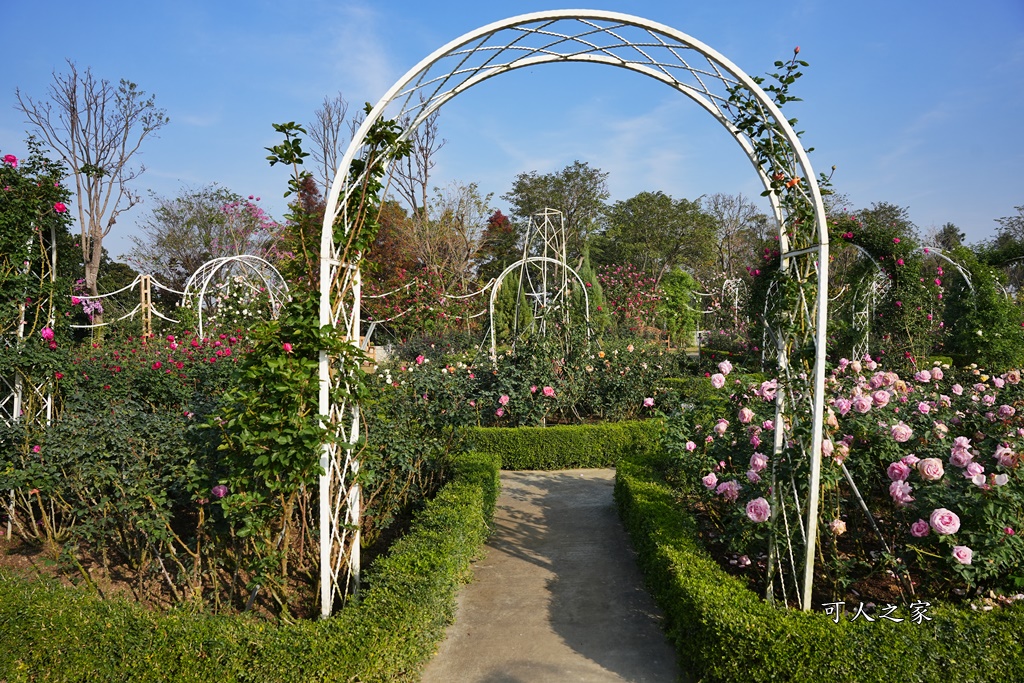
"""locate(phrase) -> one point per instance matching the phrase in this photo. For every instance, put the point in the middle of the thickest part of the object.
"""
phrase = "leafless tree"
(325, 136)
(96, 128)
(740, 228)
(411, 175)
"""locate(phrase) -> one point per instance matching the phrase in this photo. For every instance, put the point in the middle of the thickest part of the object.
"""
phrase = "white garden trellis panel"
(595, 37)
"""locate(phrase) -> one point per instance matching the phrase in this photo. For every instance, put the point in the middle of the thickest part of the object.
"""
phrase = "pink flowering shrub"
(936, 455)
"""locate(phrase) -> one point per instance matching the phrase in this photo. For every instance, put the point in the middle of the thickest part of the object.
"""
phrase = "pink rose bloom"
(721, 426)
(944, 522)
(420, 359)
(999, 382)
(924, 408)
(503, 400)
(1004, 455)
(900, 492)
(691, 446)
(930, 469)
(725, 367)
(1006, 411)
(746, 415)
(758, 510)
(898, 471)
(937, 374)
(843, 405)
(958, 390)
(755, 440)
(758, 461)
(286, 347)
(842, 452)
(730, 490)
(46, 333)
(973, 469)
(533, 389)
(880, 398)
(962, 554)
(648, 402)
(1001, 479)
(768, 389)
(855, 367)
(75, 301)
(1013, 376)
(910, 460)
(718, 380)
(901, 432)
(960, 458)
(11, 160)
(920, 529)
(753, 477)
(945, 401)
(923, 376)
(878, 380)
(768, 425)
(59, 207)
(548, 391)
(988, 399)
(499, 412)
(710, 481)
(979, 481)
(861, 404)
(827, 448)
(838, 527)
(980, 388)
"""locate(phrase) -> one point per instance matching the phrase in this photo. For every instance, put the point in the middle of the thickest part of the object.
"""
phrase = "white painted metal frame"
(587, 36)
(253, 269)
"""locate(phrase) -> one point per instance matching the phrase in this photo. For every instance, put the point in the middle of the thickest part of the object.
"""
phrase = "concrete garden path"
(557, 596)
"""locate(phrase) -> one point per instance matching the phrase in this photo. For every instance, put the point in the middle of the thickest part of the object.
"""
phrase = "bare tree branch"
(325, 134)
(96, 128)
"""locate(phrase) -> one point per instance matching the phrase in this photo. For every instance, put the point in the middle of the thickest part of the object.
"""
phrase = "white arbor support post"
(596, 37)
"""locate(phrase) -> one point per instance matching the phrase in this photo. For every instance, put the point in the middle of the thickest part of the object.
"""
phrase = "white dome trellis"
(595, 37)
(255, 273)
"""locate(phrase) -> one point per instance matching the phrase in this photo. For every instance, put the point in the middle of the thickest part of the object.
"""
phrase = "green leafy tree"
(513, 316)
(676, 307)
(656, 233)
(498, 248)
(578, 191)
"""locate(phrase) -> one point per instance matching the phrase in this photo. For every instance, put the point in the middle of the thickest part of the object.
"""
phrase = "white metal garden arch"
(258, 274)
(587, 36)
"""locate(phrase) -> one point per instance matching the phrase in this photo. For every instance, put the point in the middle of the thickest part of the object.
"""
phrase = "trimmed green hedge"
(56, 634)
(724, 632)
(566, 447)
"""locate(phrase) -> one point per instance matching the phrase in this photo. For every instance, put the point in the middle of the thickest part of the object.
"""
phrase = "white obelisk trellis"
(595, 37)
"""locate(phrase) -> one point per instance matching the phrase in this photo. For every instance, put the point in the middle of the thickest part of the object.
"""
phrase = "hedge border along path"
(724, 632)
(55, 634)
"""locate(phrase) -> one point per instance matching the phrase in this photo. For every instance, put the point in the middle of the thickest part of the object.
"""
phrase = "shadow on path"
(557, 596)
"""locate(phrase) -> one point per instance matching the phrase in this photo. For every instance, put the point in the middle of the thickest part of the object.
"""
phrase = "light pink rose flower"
(768, 425)
(999, 382)
(758, 510)
(843, 405)
(710, 481)
(768, 389)
(880, 398)
(945, 401)
(900, 492)
(548, 391)
(649, 402)
(1005, 456)
(1006, 411)
(755, 440)
(1013, 376)
(746, 415)
(503, 400)
(1001, 479)
(923, 376)
(861, 404)
(842, 452)
(962, 554)
(973, 470)
(937, 374)
(898, 471)
(827, 448)
(930, 469)
(758, 461)
(855, 367)
(690, 446)
(960, 458)
(753, 477)
(725, 367)
(721, 426)
(958, 390)
(718, 380)
(901, 432)
(924, 408)
(730, 490)
(420, 359)
(910, 459)
(920, 529)
(944, 522)
(499, 412)
(838, 527)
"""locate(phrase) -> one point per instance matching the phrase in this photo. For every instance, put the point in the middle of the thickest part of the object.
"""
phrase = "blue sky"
(916, 103)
